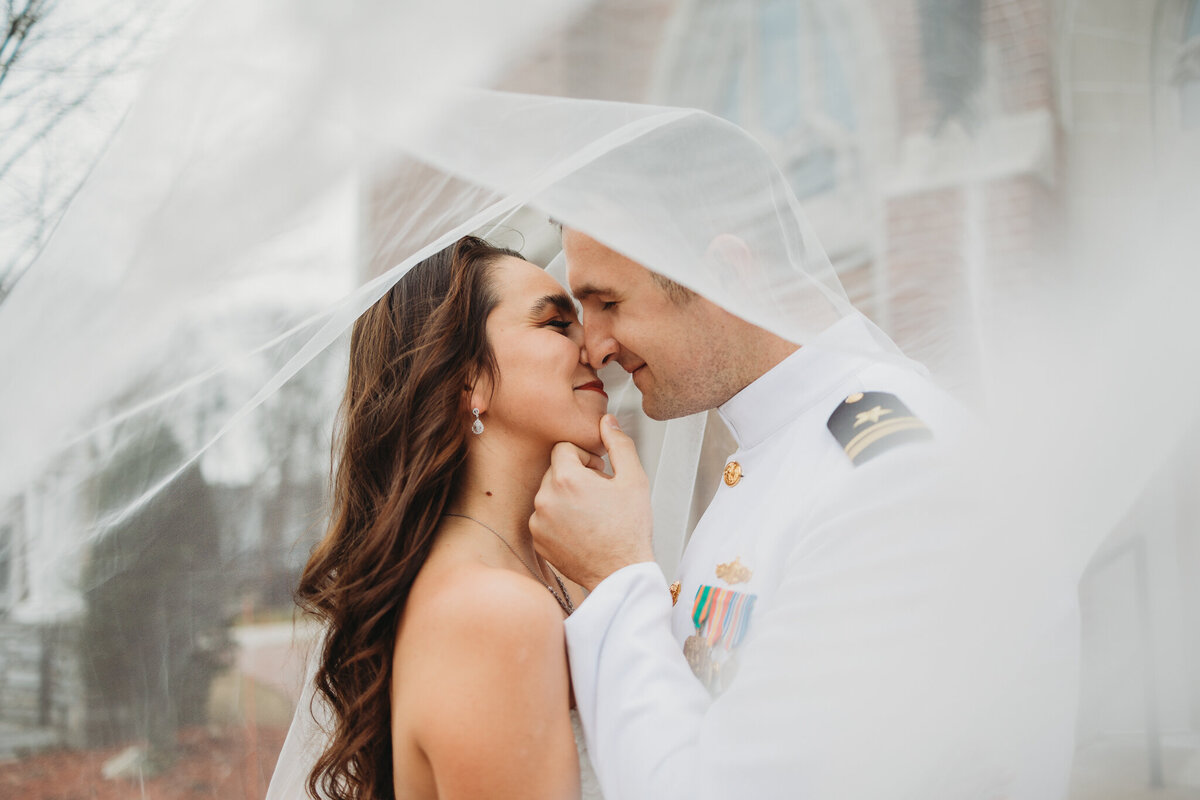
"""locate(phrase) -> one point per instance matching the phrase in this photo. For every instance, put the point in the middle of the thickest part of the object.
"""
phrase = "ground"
(229, 763)
(232, 758)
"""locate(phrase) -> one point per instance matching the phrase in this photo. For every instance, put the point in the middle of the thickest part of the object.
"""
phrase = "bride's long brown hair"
(399, 449)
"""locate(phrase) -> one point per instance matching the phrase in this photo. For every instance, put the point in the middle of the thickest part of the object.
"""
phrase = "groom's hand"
(586, 523)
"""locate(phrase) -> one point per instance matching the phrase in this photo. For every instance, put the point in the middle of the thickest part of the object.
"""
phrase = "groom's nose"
(599, 347)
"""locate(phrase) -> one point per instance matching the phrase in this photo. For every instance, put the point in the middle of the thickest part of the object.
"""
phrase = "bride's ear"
(479, 394)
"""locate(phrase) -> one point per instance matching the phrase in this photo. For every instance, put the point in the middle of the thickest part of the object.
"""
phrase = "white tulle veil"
(287, 162)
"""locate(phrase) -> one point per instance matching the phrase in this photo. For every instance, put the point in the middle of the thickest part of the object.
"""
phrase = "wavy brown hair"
(399, 449)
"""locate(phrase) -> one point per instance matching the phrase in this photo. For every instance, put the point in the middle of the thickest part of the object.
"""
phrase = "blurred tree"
(297, 437)
(269, 472)
(155, 631)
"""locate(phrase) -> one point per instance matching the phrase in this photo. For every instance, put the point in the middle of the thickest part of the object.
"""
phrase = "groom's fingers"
(567, 455)
(622, 452)
(587, 524)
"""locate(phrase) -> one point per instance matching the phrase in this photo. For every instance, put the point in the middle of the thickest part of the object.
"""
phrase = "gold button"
(854, 398)
(733, 473)
(675, 587)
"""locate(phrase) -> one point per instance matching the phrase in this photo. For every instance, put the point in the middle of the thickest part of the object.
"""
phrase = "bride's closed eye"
(561, 324)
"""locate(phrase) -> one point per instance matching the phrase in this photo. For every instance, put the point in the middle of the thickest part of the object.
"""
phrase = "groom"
(836, 628)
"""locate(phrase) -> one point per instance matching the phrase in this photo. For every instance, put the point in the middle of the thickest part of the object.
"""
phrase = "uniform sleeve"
(895, 659)
(638, 701)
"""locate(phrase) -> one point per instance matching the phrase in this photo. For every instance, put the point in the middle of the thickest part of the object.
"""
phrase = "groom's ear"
(732, 253)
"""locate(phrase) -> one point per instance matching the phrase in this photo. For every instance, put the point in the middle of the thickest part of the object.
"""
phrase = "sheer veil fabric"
(288, 162)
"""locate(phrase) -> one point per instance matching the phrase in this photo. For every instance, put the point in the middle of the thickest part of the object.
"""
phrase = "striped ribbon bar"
(722, 615)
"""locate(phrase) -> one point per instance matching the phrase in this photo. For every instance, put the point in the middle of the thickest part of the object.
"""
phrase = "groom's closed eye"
(590, 291)
(600, 298)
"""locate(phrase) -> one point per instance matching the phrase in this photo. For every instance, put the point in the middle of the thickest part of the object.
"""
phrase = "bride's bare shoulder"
(465, 602)
(478, 642)
(479, 681)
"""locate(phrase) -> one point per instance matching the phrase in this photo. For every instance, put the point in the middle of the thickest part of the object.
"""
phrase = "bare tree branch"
(18, 29)
(62, 62)
(36, 239)
(97, 79)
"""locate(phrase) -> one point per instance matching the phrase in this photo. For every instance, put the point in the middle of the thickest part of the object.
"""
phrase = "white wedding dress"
(588, 783)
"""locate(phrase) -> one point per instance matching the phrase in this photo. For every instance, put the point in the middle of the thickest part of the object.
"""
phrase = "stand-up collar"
(793, 385)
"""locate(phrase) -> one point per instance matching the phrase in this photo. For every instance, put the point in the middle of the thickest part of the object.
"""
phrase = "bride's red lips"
(594, 386)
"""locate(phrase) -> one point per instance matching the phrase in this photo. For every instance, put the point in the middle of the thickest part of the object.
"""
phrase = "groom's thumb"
(622, 453)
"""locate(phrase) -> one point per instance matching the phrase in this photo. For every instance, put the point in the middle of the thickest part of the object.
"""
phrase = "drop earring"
(477, 425)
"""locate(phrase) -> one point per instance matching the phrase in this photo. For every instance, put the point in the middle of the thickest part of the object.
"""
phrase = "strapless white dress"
(589, 786)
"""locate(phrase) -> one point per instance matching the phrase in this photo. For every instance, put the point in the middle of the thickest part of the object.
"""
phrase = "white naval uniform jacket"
(864, 671)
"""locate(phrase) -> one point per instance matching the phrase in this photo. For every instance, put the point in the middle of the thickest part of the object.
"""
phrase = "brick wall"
(1019, 32)
(927, 292)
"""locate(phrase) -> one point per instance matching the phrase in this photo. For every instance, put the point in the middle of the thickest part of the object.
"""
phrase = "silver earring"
(477, 425)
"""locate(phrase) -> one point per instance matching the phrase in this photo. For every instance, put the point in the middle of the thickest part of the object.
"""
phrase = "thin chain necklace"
(564, 600)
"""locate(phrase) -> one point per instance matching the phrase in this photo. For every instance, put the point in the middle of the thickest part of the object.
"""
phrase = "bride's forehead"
(517, 279)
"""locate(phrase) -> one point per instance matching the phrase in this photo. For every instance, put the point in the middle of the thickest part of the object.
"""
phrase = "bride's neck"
(498, 487)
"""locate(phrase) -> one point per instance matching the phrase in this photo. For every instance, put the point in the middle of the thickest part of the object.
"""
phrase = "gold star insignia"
(871, 416)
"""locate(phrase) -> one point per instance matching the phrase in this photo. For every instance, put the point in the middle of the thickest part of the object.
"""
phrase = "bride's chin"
(589, 441)
(584, 433)
(592, 444)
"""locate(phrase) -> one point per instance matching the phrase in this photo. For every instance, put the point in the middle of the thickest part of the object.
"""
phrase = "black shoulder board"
(869, 423)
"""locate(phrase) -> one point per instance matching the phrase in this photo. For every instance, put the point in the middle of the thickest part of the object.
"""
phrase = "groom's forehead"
(594, 268)
(604, 279)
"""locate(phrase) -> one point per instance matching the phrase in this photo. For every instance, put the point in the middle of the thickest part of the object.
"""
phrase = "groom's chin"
(679, 402)
(660, 412)
(657, 416)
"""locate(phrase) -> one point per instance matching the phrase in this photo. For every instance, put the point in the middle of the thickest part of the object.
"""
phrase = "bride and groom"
(811, 643)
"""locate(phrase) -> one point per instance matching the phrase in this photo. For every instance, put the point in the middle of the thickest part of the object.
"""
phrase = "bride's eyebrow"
(559, 301)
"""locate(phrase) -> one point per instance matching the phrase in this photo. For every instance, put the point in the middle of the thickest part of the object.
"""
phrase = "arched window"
(775, 68)
(786, 71)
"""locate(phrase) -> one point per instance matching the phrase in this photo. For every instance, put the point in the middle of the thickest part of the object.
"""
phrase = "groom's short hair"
(677, 292)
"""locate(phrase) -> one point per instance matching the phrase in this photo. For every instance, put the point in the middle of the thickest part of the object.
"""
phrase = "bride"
(444, 667)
